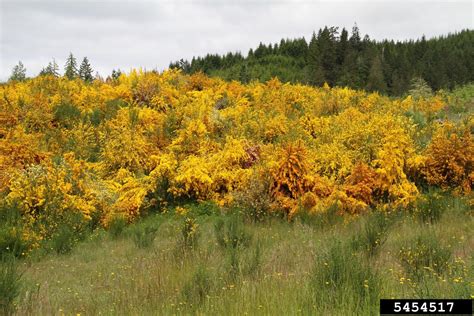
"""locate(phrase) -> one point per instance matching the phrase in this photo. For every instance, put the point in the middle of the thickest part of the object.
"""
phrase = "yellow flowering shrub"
(390, 167)
(130, 195)
(128, 143)
(120, 147)
(48, 192)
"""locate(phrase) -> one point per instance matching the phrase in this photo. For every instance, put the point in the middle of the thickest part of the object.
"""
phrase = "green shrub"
(424, 254)
(143, 235)
(203, 208)
(373, 234)
(10, 283)
(64, 240)
(219, 232)
(95, 221)
(198, 288)
(232, 236)
(11, 232)
(324, 220)
(190, 233)
(231, 233)
(430, 207)
(12, 241)
(341, 276)
(234, 263)
(117, 227)
(255, 261)
(459, 205)
(461, 99)
(66, 231)
(99, 115)
(66, 114)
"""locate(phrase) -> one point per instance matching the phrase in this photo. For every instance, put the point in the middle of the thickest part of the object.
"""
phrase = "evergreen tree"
(85, 71)
(327, 53)
(251, 53)
(342, 47)
(70, 69)
(261, 51)
(18, 72)
(419, 88)
(396, 84)
(315, 75)
(365, 59)
(376, 80)
(116, 74)
(42, 72)
(348, 73)
(51, 70)
(244, 76)
(184, 65)
(355, 38)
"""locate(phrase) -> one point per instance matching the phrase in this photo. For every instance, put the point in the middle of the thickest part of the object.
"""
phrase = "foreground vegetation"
(208, 262)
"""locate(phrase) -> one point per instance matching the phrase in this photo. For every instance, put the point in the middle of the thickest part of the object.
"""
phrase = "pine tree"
(85, 71)
(419, 88)
(116, 74)
(184, 65)
(355, 38)
(261, 51)
(348, 71)
(54, 68)
(251, 54)
(18, 72)
(51, 70)
(315, 75)
(397, 84)
(376, 80)
(244, 76)
(70, 69)
(327, 53)
(342, 46)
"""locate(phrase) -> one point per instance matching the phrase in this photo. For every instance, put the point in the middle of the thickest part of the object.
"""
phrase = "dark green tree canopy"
(85, 71)
(376, 80)
(116, 74)
(339, 58)
(70, 68)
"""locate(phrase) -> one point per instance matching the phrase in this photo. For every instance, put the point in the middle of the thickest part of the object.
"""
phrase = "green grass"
(221, 265)
(10, 283)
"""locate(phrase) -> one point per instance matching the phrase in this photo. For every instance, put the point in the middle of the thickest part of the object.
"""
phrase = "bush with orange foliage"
(450, 160)
(362, 184)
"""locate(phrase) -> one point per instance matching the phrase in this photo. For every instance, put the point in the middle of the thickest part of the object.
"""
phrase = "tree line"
(331, 56)
(335, 57)
(71, 70)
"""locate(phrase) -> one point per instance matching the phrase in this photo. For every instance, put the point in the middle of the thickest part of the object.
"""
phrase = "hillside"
(239, 175)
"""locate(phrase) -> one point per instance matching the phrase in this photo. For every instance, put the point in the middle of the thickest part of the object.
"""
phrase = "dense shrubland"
(85, 154)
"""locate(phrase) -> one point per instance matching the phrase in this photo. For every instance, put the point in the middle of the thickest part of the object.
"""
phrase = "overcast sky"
(124, 34)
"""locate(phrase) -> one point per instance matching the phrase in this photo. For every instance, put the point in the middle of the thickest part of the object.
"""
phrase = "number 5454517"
(431, 307)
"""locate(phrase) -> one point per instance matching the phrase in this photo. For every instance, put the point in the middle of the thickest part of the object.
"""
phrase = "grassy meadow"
(208, 262)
